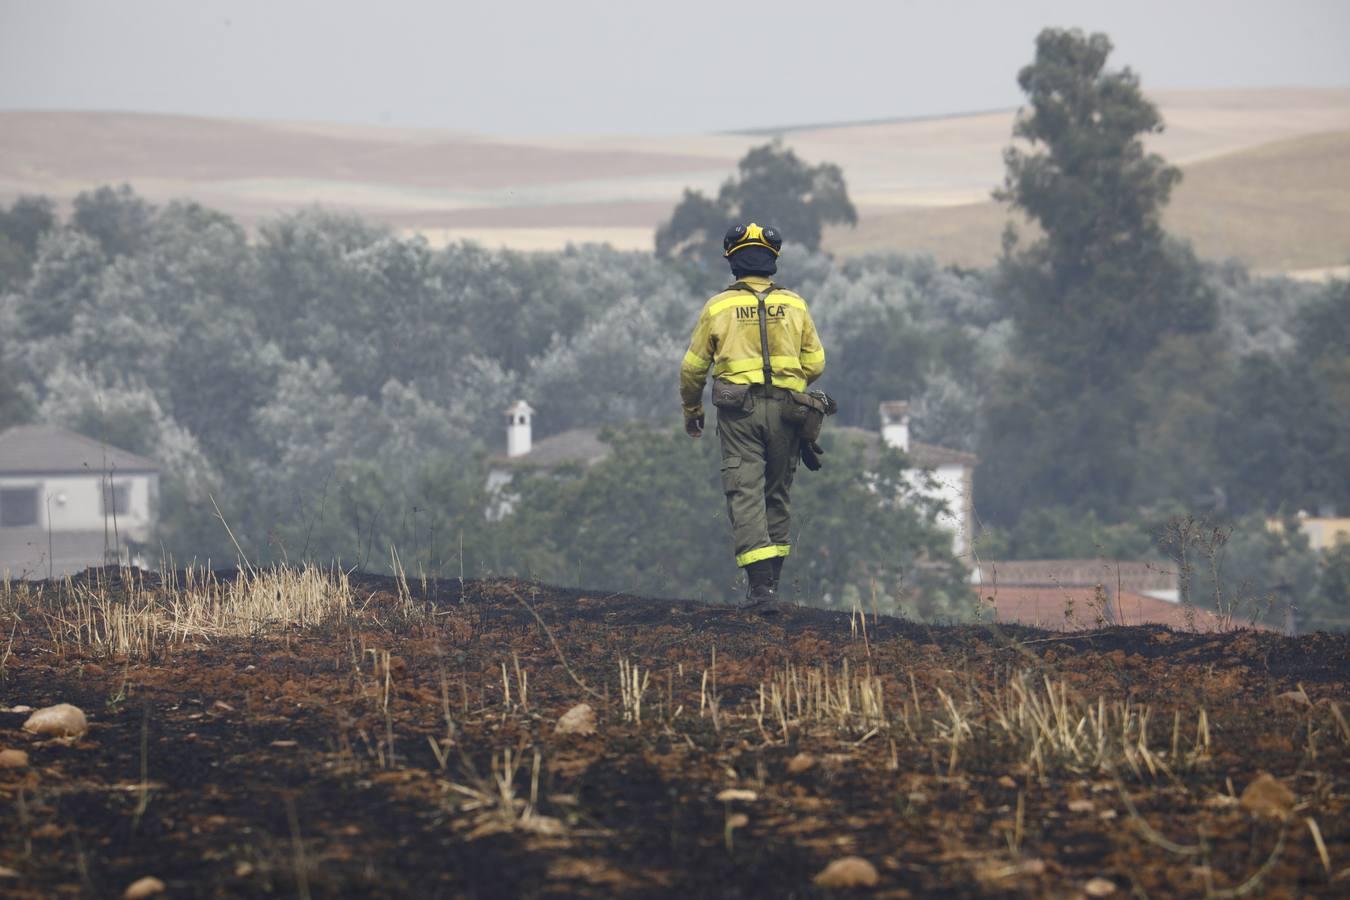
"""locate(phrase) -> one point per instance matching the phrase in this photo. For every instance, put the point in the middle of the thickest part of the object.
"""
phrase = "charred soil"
(409, 749)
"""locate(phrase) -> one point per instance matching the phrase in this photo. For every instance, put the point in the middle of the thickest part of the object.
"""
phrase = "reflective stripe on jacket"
(726, 339)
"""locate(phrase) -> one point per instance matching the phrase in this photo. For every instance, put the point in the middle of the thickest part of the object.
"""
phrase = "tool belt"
(808, 412)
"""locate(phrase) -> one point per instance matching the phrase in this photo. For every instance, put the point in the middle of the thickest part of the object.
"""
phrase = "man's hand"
(694, 426)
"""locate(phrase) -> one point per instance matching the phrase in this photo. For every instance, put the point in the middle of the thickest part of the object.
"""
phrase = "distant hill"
(1268, 174)
(1283, 206)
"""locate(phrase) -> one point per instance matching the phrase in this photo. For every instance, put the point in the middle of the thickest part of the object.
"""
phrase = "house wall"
(952, 487)
(1326, 533)
(69, 535)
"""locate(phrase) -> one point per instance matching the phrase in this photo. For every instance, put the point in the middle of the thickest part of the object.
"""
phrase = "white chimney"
(895, 424)
(518, 429)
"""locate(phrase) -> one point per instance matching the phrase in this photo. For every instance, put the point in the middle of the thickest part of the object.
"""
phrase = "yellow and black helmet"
(741, 236)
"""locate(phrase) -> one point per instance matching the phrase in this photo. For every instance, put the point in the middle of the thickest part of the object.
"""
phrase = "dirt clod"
(580, 719)
(13, 759)
(1266, 796)
(731, 794)
(848, 872)
(59, 721)
(148, 886)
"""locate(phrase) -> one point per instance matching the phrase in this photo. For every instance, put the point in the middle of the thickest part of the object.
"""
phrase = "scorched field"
(301, 732)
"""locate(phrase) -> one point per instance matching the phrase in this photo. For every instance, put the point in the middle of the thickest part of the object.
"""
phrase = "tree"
(115, 217)
(1330, 607)
(1283, 436)
(21, 227)
(772, 186)
(1093, 296)
(15, 407)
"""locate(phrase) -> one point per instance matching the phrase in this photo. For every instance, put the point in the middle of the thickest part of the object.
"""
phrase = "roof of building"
(580, 446)
(925, 456)
(1128, 575)
(1082, 608)
(50, 449)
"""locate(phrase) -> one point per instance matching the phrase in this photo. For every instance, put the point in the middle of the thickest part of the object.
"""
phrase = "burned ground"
(409, 749)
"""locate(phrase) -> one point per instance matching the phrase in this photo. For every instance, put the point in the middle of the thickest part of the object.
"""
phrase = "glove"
(811, 452)
(694, 426)
(831, 407)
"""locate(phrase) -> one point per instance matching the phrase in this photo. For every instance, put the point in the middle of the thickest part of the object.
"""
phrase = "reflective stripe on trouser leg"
(759, 453)
(773, 552)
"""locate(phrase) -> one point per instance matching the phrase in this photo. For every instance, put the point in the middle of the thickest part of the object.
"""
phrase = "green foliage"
(651, 519)
(115, 217)
(1284, 434)
(1057, 532)
(772, 186)
(1330, 606)
(1093, 298)
(21, 228)
(861, 526)
(648, 519)
(1251, 569)
(337, 390)
(15, 407)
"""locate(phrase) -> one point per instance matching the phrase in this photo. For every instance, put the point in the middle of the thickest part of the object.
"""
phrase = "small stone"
(1099, 887)
(1007, 781)
(13, 759)
(1081, 806)
(59, 721)
(148, 886)
(802, 762)
(580, 719)
(20, 709)
(731, 794)
(848, 872)
(7, 872)
(1266, 796)
(243, 869)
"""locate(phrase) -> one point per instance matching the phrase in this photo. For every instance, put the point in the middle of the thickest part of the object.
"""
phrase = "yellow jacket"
(726, 339)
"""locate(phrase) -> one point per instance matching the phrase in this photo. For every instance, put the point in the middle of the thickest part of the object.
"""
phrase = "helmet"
(741, 236)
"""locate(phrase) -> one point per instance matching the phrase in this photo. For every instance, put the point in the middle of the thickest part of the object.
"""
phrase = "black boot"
(760, 590)
(777, 562)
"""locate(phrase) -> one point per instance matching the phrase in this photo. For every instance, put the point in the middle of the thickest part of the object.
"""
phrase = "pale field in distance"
(1267, 175)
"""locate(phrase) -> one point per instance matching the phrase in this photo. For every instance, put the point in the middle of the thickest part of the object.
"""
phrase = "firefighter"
(757, 417)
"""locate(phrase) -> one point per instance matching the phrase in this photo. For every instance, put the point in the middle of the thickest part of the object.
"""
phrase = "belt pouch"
(726, 395)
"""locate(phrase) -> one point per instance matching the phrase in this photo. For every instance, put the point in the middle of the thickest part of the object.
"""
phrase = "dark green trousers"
(759, 458)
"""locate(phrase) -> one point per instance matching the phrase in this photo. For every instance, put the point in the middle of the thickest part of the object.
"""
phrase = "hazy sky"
(569, 66)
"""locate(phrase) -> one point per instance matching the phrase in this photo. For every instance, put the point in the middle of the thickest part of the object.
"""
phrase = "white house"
(68, 502)
(576, 446)
(946, 475)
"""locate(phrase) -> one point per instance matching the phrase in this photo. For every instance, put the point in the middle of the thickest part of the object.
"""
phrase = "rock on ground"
(61, 720)
(148, 886)
(13, 759)
(848, 872)
(580, 719)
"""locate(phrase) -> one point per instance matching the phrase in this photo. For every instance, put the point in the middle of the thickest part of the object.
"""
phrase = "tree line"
(338, 390)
